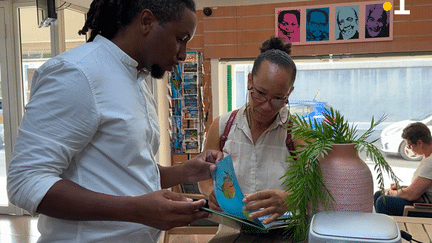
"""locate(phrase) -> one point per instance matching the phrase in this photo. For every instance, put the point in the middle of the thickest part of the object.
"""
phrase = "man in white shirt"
(84, 158)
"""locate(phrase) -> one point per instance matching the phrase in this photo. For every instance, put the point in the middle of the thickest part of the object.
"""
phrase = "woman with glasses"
(418, 137)
(257, 138)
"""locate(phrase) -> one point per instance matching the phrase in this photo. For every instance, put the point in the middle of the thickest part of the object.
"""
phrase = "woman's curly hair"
(277, 51)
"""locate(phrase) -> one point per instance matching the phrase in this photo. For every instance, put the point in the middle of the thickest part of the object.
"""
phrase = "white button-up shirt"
(92, 120)
(257, 166)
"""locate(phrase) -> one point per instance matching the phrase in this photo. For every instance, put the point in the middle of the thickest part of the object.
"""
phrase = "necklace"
(251, 122)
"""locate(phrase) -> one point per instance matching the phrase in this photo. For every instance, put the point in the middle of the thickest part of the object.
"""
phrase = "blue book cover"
(230, 199)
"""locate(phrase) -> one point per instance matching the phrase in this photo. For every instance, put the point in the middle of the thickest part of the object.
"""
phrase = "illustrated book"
(230, 199)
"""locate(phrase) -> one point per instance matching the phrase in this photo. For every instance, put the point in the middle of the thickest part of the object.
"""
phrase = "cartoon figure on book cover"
(228, 189)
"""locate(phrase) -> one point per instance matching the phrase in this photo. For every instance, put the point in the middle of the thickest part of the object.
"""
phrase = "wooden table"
(419, 228)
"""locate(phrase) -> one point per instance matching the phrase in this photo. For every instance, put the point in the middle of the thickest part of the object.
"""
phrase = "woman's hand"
(267, 202)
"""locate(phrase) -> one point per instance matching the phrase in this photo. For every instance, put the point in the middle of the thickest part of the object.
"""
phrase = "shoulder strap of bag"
(289, 139)
(227, 129)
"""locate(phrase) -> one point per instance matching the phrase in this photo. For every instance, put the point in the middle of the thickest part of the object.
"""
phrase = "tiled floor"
(18, 229)
(23, 229)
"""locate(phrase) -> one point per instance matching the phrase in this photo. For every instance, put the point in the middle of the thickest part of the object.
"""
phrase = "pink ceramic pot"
(348, 178)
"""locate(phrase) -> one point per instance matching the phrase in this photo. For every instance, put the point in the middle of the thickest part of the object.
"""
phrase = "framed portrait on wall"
(377, 21)
(288, 24)
(347, 22)
(335, 23)
(317, 24)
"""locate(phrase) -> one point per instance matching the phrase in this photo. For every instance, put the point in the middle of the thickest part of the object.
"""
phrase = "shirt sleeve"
(426, 169)
(59, 121)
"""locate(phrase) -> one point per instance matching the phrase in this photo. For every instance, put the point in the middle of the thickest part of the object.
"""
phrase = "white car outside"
(392, 142)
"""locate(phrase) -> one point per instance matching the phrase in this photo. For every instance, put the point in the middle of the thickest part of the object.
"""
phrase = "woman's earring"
(247, 97)
(289, 112)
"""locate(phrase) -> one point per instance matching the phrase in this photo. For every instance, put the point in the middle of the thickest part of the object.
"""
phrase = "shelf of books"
(185, 95)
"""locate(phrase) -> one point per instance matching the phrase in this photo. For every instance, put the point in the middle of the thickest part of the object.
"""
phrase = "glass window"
(35, 46)
(239, 88)
(396, 86)
(74, 21)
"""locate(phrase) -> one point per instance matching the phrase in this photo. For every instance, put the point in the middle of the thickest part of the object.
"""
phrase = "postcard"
(190, 78)
(191, 134)
(191, 101)
(177, 143)
(192, 146)
(190, 89)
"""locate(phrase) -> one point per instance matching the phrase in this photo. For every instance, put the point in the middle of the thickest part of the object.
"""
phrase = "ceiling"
(206, 3)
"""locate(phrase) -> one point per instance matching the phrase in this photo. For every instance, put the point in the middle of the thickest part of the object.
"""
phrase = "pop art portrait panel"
(317, 24)
(377, 21)
(288, 24)
(347, 20)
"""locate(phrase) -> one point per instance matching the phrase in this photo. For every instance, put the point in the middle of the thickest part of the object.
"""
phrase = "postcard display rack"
(185, 95)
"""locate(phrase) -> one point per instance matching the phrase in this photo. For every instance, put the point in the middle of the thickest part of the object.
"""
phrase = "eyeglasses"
(260, 98)
(409, 145)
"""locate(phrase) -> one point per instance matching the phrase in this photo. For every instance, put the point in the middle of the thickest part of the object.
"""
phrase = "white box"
(340, 226)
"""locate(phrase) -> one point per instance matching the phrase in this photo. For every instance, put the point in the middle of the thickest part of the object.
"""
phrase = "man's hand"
(267, 202)
(201, 167)
(164, 210)
(196, 169)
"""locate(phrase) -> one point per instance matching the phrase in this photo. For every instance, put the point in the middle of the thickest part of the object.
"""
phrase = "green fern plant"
(303, 177)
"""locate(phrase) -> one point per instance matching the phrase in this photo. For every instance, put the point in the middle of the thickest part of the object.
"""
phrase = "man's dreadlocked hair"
(276, 50)
(107, 17)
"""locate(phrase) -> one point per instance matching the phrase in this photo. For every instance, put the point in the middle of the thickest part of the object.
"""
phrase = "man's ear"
(147, 20)
(419, 142)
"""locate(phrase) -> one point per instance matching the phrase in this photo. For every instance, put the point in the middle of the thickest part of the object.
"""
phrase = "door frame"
(8, 77)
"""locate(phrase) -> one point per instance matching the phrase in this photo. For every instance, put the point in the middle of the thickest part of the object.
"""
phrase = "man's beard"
(156, 71)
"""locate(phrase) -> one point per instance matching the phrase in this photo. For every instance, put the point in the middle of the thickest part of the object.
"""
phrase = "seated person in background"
(418, 137)
(257, 139)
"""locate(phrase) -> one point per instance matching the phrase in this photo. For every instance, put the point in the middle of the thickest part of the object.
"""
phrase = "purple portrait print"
(377, 21)
(289, 25)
